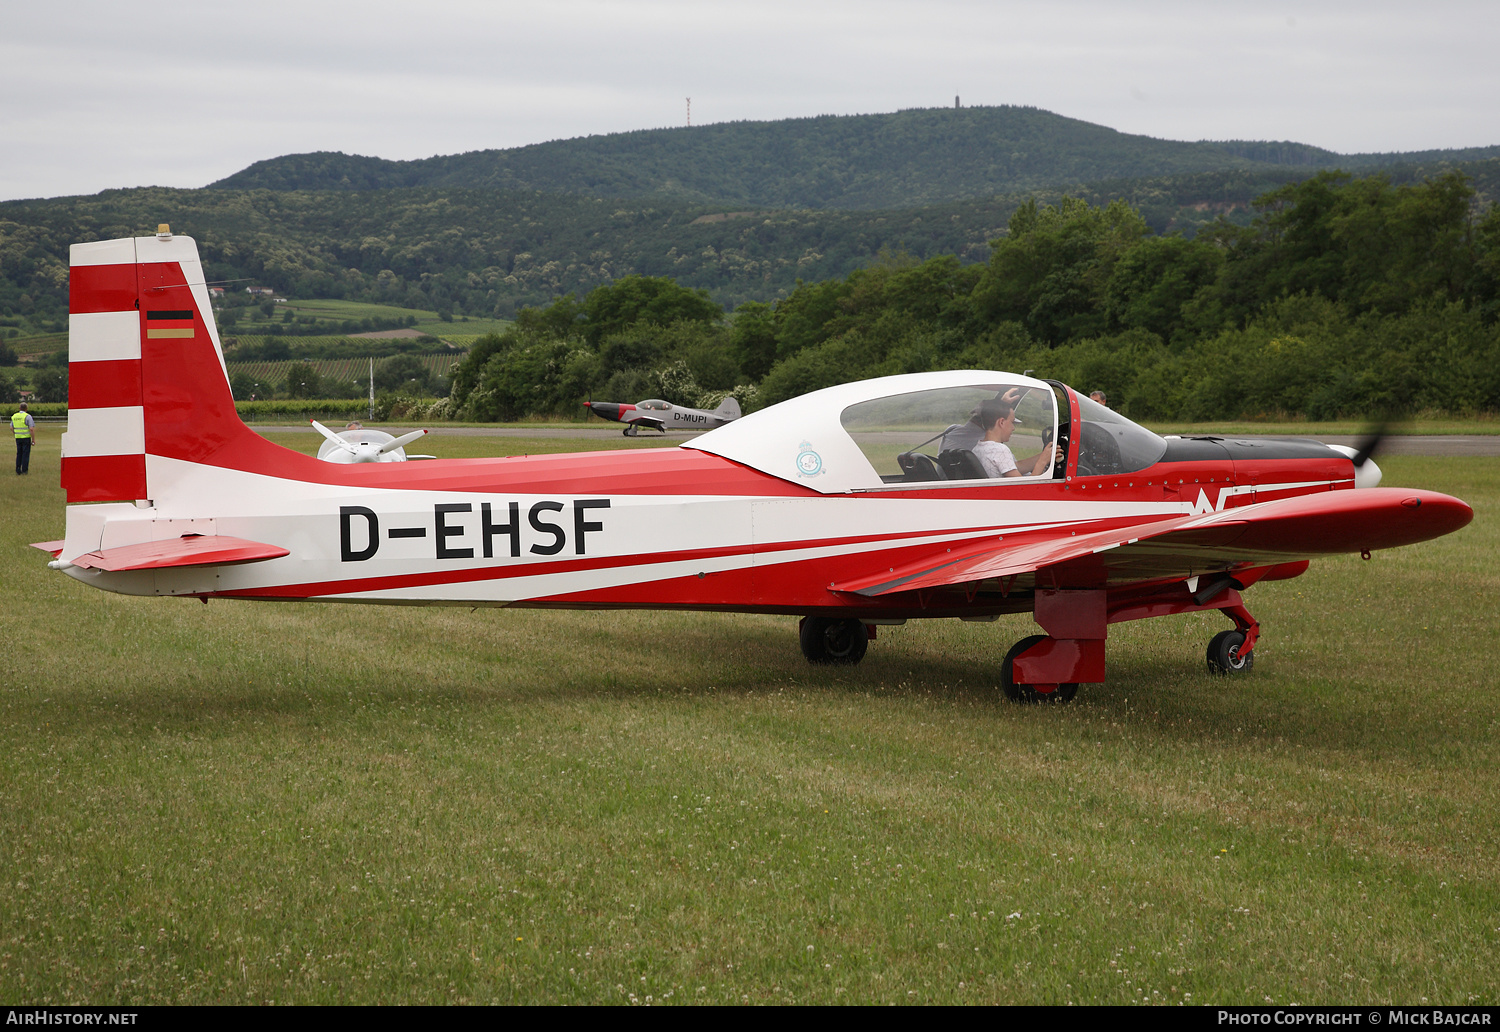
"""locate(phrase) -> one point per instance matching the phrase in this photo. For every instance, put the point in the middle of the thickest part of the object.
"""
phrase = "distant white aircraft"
(360, 445)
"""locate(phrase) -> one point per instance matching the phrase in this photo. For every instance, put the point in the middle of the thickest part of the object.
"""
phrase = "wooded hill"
(886, 161)
(742, 210)
(485, 253)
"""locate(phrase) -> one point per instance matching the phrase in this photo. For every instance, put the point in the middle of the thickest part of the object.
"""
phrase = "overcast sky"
(96, 94)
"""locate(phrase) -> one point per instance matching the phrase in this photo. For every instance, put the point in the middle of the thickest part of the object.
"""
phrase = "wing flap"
(191, 550)
(1263, 533)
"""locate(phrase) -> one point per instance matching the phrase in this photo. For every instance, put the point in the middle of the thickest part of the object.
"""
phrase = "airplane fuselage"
(658, 529)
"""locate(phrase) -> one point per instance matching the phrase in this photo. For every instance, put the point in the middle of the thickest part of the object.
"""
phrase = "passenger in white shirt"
(998, 418)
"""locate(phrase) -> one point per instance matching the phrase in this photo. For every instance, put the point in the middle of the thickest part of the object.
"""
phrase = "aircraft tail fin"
(729, 408)
(146, 373)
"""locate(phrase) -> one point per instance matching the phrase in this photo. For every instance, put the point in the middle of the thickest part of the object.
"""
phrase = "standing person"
(24, 428)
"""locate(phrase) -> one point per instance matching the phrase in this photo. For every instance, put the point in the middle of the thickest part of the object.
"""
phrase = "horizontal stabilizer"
(1261, 534)
(55, 547)
(189, 550)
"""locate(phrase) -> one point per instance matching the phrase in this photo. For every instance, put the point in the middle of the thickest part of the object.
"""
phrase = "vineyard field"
(338, 368)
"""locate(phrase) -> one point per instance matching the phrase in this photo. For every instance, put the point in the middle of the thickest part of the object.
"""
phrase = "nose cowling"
(1366, 474)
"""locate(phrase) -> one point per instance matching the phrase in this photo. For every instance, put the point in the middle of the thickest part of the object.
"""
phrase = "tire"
(1025, 693)
(1224, 654)
(826, 640)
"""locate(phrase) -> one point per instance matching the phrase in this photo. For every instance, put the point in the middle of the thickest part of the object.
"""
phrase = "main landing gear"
(1050, 667)
(1031, 693)
(1045, 668)
(826, 640)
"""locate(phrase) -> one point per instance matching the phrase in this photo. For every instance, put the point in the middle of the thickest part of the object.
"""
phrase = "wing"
(1261, 534)
(655, 424)
(193, 550)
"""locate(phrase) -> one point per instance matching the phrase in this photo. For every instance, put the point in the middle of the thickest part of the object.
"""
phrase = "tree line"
(1343, 296)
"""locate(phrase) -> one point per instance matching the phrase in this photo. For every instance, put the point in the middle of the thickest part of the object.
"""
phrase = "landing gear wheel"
(832, 641)
(1026, 693)
(629, 431)
(1224, 654)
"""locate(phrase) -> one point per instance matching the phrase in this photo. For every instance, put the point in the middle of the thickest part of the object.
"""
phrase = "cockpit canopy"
(931, 435)
(919, 429)
(1109, 443)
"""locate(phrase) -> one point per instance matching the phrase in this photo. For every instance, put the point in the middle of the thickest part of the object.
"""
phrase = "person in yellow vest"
(25, 430)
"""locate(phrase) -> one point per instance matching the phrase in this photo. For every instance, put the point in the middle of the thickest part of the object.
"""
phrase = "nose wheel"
(1233, 652)
(1227, 654)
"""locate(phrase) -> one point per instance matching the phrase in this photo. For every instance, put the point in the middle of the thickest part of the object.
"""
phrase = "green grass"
(296, 803)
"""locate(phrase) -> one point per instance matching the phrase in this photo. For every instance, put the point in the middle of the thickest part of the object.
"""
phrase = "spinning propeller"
(363, 445)
(1366, 473)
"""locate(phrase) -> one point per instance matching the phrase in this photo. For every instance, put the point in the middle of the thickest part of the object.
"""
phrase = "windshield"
(937, 435)
(1109, 443)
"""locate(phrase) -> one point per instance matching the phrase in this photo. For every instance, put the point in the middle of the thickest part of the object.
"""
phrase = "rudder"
(146, 371)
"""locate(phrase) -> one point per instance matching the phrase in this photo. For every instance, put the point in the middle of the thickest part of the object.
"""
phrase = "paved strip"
(1416, 444)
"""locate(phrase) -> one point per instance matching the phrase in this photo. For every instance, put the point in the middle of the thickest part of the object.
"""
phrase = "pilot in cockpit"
(997, 419)
(965, 436)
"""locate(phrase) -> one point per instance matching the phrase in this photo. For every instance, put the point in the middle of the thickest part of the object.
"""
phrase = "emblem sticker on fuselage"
(809, 462)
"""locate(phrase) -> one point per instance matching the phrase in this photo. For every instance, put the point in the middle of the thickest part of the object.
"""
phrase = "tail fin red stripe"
(101, 288)
(104, 384)
(104, 478)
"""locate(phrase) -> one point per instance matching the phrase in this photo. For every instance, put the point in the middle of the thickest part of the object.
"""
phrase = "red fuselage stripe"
(507, 572)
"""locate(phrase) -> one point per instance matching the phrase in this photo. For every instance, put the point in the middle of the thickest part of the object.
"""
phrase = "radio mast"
(690, 110)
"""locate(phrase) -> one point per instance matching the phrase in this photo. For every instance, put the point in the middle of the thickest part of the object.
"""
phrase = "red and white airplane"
(825, 507)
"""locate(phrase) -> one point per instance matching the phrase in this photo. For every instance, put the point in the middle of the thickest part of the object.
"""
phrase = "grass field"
(292, 803)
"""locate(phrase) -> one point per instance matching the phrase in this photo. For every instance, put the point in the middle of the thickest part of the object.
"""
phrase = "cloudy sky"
(96, 94)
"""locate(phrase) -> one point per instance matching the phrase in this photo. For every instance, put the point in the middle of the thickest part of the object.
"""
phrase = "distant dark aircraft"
(663, 415)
